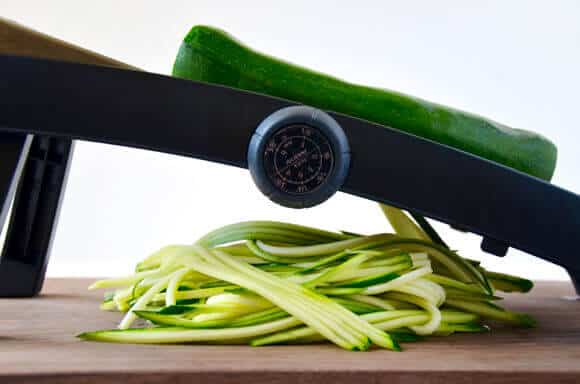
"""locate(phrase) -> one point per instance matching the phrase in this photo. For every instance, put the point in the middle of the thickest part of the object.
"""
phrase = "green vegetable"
(507, 283)
(211, 55)
(402, 224)
(353, 290)
(492, 311)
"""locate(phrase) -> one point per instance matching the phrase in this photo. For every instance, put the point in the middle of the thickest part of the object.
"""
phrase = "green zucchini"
(210, 55)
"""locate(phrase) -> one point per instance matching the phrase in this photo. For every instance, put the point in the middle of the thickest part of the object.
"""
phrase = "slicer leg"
(575, 277)
(34, 213)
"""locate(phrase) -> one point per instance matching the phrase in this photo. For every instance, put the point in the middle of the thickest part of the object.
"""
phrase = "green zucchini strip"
(434, 315)
(490, 311)
(324, 249)
(269, 231)
(185, 335)
(144, 300)
(452, 283)
(455, 264)
(508, 283)
(405, 278)
(402, 224)
(304, 332)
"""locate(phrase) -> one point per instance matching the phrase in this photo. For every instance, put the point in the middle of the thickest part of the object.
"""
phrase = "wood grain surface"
(38, 345)
(16, 39)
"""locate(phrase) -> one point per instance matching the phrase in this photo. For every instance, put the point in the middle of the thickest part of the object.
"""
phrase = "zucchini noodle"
(263, 283)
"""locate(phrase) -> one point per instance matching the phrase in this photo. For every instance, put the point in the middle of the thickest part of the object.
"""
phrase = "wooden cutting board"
(38, 345)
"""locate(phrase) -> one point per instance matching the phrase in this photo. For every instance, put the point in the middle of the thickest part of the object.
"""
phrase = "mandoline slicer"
(297, 155)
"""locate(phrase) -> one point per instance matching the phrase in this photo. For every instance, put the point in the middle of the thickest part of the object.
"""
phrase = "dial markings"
(298, 159)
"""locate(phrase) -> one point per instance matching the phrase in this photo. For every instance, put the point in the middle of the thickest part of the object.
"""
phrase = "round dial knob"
(299, 156)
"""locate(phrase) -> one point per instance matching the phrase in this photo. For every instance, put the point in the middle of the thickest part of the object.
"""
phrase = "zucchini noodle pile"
(263, 283)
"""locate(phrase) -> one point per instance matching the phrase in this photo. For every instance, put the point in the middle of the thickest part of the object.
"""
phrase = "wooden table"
(38, 344)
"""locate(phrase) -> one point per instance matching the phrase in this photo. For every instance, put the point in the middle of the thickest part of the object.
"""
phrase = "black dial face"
(298, 159)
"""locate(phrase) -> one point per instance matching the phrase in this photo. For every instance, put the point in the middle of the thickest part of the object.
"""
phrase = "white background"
(517, 62)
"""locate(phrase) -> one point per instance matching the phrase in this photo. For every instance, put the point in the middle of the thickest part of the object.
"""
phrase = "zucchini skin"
(211, 55)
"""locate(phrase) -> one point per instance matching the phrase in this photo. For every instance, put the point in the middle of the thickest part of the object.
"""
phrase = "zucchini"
(490, 311)
(355, 291)
(449, 282)
(455, 264)
(363, 282)
(402, 224)
(173, 335)
(508, 283)
(211, 55)
(271, 231)
(448, 329)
